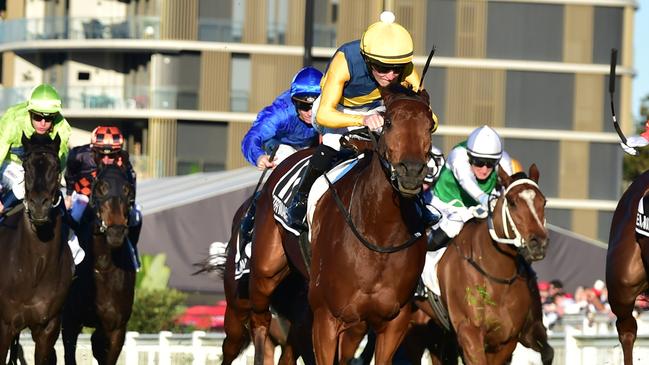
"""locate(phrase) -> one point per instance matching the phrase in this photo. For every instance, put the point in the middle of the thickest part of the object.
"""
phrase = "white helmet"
(484, 142)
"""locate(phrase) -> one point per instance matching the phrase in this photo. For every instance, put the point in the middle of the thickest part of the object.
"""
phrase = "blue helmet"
(306, 84)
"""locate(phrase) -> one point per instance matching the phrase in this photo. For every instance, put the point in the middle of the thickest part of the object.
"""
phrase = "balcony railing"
(111, 97)
(139, 27)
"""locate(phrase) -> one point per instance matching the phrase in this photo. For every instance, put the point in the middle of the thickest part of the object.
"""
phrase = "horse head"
(111, 199)
(42, 171)
(404, 146)
(522, 214)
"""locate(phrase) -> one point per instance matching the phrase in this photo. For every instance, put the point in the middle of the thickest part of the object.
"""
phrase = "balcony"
(140, 27)
(112, 97)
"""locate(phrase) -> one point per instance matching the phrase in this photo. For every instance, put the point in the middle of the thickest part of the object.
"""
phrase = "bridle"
(507, 220)
(114, 191)
(41, 152)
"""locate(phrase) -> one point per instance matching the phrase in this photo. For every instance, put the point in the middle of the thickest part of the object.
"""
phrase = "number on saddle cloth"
(642, 218)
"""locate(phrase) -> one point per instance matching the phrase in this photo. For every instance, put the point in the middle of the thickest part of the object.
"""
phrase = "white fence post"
(572, 350)
(130, 348)
(164, 353)
(198, 351)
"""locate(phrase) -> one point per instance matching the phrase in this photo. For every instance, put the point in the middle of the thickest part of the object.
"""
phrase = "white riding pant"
(331, 136)
(452, 217)
(283, 151)
(13, 178)
(78, 206)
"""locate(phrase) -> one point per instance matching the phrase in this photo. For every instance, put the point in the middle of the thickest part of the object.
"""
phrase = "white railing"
(582, 341)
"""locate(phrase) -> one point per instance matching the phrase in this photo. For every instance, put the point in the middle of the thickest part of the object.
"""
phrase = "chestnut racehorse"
(484, 278)
(289, 300)
(368, 249)
(627, 262)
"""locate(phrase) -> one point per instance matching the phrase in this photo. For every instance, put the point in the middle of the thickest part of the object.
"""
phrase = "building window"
(277, 21)
(539, 100)
(240, 82)
(527, 152)
(604, 226)
(559, 217)
(440, 27)
(525, 31)
(607, 33)
(201, 147)
(605, 171)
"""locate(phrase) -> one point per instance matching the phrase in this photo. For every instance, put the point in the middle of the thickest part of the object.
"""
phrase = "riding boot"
(437, 239)
(318, 164)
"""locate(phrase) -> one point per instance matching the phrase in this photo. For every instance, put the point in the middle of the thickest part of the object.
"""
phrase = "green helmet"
(44, 100)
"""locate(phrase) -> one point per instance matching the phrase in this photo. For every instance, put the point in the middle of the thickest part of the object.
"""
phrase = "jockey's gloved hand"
(630, 150)
(484, 200)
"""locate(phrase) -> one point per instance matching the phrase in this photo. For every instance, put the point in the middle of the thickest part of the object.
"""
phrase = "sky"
(641, 55)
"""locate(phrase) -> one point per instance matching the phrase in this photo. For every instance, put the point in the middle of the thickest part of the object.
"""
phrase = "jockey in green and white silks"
(466, 182)
(41, 114)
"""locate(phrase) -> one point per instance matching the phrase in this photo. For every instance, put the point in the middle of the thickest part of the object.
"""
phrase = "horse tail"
(215, 261)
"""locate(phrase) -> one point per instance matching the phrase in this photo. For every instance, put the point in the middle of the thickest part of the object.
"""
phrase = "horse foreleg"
(115, 341)
(388, 340)
(536, 338)
(6, 337)
(350, 339)
(627, 329)
(70, 333)
(325, 336)
(44, 339)
(504, 354)
(471, 340)
(236, 334)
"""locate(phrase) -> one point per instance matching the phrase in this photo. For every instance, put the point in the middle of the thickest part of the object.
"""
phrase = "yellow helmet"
(387, 42)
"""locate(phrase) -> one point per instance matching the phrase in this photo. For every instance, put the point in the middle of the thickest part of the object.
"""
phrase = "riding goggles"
(303, 106)
(384, 68)
(482, 162)
(37, 117)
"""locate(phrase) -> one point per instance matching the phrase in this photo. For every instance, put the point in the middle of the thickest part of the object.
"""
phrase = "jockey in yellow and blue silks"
(351, 98)
(41, 114)
(285, 124)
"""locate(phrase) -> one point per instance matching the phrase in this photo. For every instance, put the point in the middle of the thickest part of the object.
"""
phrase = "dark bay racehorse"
(484, 283)
(289, 300)
(368, 250)
(102, 294)
(627, 264)
(36, 264)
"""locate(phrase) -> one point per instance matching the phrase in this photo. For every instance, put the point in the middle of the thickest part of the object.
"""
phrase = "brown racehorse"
(102, 294)
(289, 300)
(484, 283)
(36, 263)
(368, 250)
(627, 262)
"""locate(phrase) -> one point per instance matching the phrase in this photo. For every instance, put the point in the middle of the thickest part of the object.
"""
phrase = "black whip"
(423, 74)
(611, 91)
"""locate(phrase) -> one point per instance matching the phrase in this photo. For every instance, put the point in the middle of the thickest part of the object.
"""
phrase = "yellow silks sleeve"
(413, 80)
(333, 84)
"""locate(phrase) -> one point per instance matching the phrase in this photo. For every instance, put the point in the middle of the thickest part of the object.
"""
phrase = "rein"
(517, 241)
(389, 171)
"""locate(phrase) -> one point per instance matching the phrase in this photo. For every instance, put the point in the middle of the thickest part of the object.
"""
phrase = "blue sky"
(641, 55)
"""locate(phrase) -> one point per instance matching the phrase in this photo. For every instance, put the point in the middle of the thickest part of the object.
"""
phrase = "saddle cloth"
(287, 187)
(642, 218)
(282, 195)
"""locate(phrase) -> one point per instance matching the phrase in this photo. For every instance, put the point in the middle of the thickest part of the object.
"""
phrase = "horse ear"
(534, 173)
(424, 96)
(505, 179)
(387, 94)
(57, 142)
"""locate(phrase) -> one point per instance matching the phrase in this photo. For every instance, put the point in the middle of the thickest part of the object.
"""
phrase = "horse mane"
(519, 175)
(397, 91)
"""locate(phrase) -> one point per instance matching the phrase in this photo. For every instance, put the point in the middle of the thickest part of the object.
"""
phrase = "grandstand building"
(184, 78)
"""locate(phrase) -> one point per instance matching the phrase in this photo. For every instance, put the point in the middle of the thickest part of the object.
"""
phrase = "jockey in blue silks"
(285, 124)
